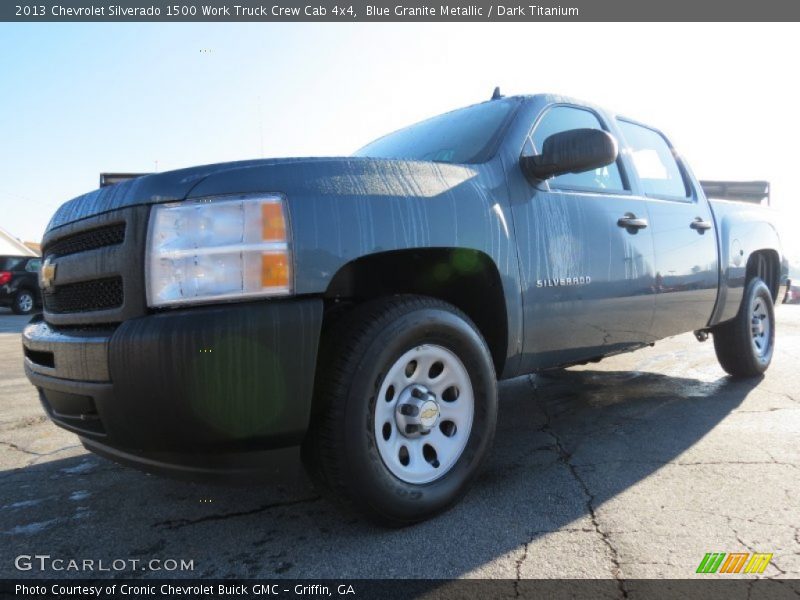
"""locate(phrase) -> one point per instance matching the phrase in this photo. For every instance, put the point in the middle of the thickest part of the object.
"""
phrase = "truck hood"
(292, 176)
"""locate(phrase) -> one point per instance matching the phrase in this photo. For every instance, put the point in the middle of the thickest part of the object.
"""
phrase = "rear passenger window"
(563, 118)
(654, 162)
(11, 263)
(34, 265)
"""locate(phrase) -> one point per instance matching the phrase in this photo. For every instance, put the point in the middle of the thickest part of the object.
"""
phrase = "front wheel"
(24, 303)
(405, 409)
(744, 345)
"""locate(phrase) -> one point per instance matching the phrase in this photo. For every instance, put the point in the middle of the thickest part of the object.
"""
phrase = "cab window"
(563, 118)
(654, 162)
(11, 263)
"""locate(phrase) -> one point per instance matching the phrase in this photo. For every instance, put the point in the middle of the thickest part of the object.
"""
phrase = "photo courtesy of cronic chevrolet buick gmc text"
(357, 312)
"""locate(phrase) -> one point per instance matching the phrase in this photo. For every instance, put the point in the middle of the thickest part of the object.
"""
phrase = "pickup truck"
(356, 313)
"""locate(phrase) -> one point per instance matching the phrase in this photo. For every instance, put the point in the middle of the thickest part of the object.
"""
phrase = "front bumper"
(204, 391)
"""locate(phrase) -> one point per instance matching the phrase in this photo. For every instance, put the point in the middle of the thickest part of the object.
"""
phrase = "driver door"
(588, 282)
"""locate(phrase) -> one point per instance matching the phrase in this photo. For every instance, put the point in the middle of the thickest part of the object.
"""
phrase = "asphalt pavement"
(632, 468)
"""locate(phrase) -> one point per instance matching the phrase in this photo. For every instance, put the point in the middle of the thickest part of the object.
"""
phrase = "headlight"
(218, 249)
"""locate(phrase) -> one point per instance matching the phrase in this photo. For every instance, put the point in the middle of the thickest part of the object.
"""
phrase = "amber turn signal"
(273, 225)
(274, 270)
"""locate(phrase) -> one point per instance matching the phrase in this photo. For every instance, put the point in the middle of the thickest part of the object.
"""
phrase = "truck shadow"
(567, 443)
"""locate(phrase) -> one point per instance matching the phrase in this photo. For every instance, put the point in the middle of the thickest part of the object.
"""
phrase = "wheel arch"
(24, 287)
(766, 264)
(466, 278)
(749, 245)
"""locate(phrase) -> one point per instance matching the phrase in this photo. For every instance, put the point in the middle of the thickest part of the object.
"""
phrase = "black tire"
(24, 303)
(733, 341)
(340, 451)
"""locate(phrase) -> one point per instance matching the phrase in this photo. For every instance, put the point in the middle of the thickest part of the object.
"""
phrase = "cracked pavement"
(629, 469)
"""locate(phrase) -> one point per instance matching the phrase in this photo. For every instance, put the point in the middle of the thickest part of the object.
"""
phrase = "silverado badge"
(563, 281)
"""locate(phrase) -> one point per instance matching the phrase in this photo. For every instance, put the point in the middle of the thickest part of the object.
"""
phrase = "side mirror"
(572, 151)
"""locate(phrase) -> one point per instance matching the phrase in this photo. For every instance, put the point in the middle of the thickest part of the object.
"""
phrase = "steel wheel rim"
(25, 302)
(760, 327)
(420, 457)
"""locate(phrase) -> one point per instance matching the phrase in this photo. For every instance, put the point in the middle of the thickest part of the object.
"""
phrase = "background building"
(9, 245)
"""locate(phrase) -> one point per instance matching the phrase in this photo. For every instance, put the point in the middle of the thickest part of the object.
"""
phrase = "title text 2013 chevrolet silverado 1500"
(357, 312)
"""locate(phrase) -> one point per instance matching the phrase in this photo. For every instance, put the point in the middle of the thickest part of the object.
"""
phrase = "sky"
(80, 99)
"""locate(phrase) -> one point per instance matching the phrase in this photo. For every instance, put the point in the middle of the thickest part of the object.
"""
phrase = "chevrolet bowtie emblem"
(47, 275)
(429, 413)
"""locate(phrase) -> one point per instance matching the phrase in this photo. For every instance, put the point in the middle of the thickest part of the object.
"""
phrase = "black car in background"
(19, 283)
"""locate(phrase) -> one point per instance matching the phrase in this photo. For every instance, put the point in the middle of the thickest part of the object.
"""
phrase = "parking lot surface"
(632, 468)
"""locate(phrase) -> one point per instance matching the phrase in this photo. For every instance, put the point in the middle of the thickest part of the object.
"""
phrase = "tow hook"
(701, 334)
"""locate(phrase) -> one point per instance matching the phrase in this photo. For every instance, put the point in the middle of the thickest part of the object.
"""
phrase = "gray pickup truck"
(357, 312)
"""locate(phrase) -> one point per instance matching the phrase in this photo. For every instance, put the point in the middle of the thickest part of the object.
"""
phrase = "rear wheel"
(744, 345)
(405, 409)
(24, 303)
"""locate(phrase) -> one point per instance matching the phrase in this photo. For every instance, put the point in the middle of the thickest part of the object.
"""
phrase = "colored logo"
(734, 562)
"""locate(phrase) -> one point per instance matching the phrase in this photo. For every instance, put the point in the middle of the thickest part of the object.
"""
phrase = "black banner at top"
(397, 11)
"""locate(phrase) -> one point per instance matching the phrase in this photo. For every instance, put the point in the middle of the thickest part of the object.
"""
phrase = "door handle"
(699, 225)
(629, 221)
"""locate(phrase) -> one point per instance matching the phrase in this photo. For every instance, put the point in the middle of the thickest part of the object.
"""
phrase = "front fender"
(342, 209)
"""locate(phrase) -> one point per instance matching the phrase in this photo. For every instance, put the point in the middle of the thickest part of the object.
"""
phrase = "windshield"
(467, 135)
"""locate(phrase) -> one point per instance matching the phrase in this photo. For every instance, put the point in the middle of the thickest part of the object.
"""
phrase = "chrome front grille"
(98, 269)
